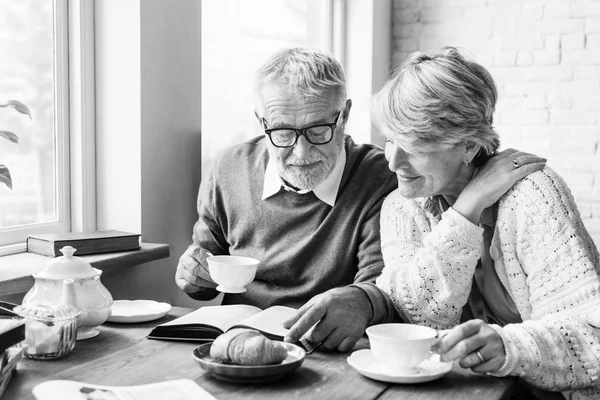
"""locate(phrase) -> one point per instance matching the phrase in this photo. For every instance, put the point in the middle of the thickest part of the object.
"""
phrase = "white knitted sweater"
(543, 256)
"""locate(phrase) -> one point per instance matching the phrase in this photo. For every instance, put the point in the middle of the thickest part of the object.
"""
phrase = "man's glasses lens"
(283, 137)
(319, 134)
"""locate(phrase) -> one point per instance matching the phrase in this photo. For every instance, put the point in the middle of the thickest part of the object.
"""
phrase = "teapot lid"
(67, 266)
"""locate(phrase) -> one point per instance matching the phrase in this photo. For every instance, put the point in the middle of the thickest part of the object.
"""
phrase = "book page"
(9, 324)
(222, 317)
(270, 321)
(181, 389)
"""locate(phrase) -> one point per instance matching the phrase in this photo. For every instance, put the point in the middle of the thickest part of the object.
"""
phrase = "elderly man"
(303, 199)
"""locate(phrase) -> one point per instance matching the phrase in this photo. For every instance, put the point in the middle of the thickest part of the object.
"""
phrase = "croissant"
(247, 347)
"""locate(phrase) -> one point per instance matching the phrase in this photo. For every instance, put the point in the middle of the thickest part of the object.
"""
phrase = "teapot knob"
(68, 251)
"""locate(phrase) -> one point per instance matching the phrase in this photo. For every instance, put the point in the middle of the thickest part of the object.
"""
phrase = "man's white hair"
(305, 73)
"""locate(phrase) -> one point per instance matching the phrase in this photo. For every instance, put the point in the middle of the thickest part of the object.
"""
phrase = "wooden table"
(122, 356)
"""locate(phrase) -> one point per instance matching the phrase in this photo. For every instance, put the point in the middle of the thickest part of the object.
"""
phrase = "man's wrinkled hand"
(189, 280)
(339, 316)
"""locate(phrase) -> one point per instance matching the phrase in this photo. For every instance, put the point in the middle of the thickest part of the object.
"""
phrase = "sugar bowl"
(50, 329)
(88, 295)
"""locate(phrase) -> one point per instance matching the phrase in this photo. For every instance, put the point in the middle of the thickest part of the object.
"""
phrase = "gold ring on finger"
(481, 359)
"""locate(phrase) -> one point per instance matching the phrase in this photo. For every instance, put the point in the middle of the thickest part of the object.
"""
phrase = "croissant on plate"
(247, 347)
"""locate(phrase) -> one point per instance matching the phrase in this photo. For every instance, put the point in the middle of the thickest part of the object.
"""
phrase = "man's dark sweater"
(305, 246)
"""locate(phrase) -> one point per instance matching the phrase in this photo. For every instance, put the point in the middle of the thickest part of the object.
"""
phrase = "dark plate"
(249, 373)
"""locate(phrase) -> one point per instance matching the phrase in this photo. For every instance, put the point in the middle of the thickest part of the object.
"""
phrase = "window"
(33, 42)
(237, 37)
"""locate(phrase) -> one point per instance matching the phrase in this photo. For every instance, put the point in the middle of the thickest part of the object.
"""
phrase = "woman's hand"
(493, 180)
(475, 344)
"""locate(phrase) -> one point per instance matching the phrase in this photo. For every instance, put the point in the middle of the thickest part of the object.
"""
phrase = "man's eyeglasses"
(315, 134)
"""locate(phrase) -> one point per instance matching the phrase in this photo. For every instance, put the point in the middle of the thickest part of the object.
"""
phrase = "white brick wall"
(545, 58)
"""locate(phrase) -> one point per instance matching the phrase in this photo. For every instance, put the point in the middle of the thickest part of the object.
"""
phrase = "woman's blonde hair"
(438, 101)
(304, 72)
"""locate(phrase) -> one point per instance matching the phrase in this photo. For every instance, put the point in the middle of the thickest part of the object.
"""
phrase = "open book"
(206, 323)
(181, 389)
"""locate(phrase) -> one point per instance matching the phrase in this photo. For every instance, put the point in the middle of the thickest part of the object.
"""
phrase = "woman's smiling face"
(424, 174)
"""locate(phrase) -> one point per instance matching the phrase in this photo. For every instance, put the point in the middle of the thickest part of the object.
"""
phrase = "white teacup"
(232, 273)
(401, 347)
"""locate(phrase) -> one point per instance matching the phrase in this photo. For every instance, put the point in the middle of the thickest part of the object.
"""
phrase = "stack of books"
(12, 332)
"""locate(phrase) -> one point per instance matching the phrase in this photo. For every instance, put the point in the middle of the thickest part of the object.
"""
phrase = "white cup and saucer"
(400, 353)
(232, 273)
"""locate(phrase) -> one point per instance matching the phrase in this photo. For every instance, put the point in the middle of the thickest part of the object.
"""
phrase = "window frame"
(82, 113)
(74, 127)
(366, 45)
(80, 193)
(329, 26)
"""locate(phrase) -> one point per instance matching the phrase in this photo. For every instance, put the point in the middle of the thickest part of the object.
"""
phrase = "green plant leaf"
(17, 105)
(11, 137)
(5, 176)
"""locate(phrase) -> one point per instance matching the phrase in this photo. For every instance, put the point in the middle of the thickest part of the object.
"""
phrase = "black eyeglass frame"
(301, 131)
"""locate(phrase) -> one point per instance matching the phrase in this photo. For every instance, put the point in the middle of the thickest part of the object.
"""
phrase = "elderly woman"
(487, 246)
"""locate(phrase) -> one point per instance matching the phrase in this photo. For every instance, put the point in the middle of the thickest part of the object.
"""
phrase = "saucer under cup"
(225, 289)
(232, 273)
(365, 363)
(400, 348)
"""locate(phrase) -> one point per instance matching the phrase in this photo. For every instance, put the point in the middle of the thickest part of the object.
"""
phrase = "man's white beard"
(307, 174)
(306, 177)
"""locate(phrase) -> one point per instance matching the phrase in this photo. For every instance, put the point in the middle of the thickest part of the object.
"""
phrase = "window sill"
(16, 270)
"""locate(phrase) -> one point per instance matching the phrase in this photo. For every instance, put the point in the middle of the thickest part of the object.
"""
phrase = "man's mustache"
(293, 160)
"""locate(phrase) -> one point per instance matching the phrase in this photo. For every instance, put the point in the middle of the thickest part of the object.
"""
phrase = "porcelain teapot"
(90, 296)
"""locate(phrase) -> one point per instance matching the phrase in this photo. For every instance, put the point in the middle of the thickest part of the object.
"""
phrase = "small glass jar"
(50, 329)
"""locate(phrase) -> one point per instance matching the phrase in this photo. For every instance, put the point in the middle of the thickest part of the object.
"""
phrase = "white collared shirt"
(325, 191)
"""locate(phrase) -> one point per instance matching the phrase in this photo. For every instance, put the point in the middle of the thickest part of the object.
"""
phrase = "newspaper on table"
(180, 389)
